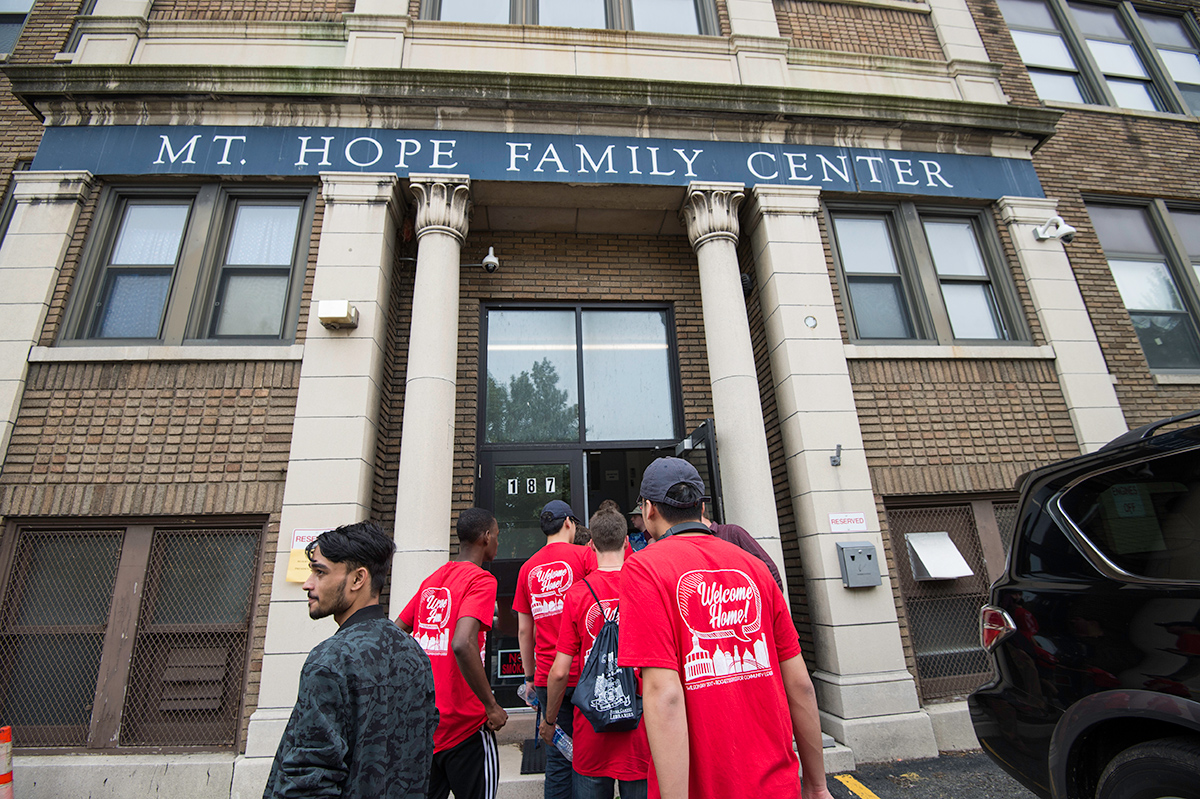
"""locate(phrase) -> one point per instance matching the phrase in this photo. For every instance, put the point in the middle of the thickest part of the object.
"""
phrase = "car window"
(1145, 518)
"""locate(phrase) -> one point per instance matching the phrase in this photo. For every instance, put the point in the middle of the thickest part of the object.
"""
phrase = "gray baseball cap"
(664, 473)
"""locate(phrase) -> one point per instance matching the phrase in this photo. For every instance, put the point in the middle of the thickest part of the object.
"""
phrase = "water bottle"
(563, 742)
(527, 694)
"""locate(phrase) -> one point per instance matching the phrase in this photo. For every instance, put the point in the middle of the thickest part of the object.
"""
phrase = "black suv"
(1094, 630)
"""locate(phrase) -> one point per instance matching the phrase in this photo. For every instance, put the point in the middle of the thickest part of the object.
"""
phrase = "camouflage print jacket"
(363, 724)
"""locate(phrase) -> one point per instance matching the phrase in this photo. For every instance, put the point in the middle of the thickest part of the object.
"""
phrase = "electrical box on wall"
(860, 565)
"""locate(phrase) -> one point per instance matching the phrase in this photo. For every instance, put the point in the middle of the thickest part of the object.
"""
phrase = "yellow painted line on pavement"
(855, 786)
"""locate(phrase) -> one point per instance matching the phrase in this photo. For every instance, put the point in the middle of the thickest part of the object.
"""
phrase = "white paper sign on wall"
(847, 522)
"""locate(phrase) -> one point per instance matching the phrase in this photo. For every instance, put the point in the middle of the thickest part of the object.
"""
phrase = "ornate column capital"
(443, 204)
(710, 211)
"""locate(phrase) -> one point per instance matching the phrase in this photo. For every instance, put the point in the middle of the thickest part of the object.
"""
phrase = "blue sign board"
(537, 157)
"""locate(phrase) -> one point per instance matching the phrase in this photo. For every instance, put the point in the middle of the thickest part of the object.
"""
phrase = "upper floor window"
(12, 20)
(921, 273)
(656, 16)
(1154, 254)
(193, 264)
(1107, 54)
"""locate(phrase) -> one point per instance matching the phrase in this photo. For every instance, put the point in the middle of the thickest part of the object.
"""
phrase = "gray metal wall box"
(860, 564)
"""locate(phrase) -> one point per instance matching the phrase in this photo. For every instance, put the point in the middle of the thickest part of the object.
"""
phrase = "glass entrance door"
(516, 485)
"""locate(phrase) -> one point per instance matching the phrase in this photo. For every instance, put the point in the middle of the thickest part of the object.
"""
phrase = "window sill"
(192, 352)
(1177, 379)
(1097, 108)
(999, 352)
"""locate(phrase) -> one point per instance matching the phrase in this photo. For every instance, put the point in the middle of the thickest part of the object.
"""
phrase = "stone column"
(43, 222)
(710, 214)
(423, 498)
(866, 695)
(331, 464)
(1082, 373)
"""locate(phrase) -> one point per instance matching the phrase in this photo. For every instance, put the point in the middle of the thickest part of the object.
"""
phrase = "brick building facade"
(802, 233)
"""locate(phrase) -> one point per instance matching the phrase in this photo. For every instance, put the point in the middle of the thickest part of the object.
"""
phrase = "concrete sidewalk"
(515, 785)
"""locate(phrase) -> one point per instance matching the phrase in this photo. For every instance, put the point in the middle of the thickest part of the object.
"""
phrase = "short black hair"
(473, 523)
(608, 529)
(551, 525)
(691, 504)
(361, 544)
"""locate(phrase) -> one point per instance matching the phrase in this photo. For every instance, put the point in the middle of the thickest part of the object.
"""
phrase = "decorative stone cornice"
(710, 211)
(443, 204)
(53, 89)
(51, 186)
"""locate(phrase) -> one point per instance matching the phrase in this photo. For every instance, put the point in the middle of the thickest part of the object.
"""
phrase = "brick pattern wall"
(154, 439)
(858, 29)
(792, 567)
(1120, 156)
(391, 406)
(274, 10)
(933, 427)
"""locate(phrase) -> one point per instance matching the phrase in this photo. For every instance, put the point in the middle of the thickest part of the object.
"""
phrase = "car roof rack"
(1147, 430)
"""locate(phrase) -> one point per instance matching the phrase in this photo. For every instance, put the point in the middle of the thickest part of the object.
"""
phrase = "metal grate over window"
(943, 614)
(125, 637)
(1006, 520)
(185, 681)
(52, 627)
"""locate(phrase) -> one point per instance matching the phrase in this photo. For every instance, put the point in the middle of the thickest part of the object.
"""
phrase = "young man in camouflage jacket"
(364, 720)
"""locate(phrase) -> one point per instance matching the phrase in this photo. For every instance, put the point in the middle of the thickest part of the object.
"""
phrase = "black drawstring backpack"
(607, 693)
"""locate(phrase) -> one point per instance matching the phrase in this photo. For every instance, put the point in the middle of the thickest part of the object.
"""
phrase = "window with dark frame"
(208, 263)
(126, 636)
(916, 273)
(13, 14)
(1153, 252)
(579, 374)
(1107, 54)
(696, 17)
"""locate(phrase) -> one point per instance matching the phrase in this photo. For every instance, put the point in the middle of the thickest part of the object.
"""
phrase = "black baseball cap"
(664, 473)
(558, 510)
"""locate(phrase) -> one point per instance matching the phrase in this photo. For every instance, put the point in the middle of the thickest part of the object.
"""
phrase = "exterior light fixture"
(337, 314)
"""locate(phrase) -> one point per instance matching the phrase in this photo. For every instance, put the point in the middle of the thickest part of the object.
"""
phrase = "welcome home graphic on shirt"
(723, 610)
(432, 630)
(547, 584)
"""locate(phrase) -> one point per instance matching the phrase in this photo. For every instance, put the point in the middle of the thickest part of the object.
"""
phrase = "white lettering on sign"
(847, 522)
(594, 158)
(188, 149)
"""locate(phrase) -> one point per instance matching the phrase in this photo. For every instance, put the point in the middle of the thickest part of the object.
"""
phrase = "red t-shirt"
(456, 590)
(541, 584)
(711, 612)
(620, 755)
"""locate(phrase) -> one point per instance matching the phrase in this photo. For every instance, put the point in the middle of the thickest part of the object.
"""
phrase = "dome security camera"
(490, 262)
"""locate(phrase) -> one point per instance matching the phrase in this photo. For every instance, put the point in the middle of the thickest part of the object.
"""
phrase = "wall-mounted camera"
(1055, 228)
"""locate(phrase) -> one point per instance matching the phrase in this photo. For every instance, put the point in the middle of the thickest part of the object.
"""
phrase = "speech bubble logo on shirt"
(720, 603)
(433, 611)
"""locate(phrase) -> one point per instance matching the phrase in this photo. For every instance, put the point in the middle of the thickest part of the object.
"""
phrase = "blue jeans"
(602, 788)
(558, 768)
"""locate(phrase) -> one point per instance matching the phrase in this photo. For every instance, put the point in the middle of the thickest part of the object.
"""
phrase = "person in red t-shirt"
(600, 757)
(724, 686)
(541, 584)
(448, 617)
